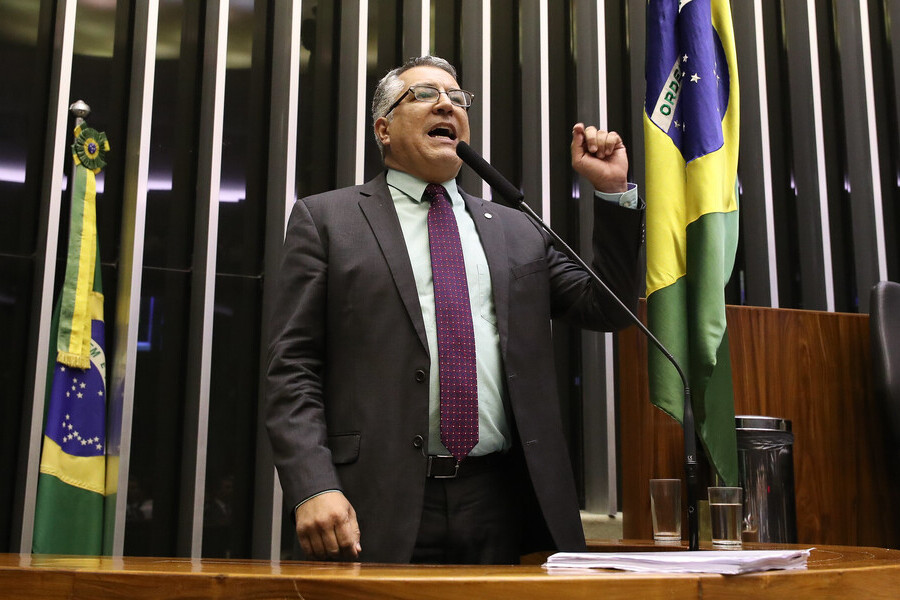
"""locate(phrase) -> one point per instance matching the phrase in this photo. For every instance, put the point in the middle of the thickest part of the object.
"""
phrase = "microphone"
(491, 176)
(515, 198)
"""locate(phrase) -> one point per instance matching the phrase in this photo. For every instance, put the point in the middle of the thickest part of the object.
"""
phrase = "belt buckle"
(438, 466)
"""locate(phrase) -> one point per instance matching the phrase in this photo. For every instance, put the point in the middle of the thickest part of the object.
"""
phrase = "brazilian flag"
(691, 128)
(71, 485)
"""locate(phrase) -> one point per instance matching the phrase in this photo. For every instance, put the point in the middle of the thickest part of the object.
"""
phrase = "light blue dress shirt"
(493, 426)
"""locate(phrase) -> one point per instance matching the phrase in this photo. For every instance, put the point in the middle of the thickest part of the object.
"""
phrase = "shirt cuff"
(628, 198)
(296, 506)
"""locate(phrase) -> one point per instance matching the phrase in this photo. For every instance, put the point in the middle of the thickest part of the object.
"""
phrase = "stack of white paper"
(726, 562)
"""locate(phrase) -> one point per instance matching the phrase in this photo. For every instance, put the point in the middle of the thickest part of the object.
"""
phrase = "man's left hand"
(600, 156)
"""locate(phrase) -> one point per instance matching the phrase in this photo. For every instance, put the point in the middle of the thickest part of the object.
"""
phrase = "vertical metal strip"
(131, 252)
(878, 214)
(820, 154)
(425, 24)
(277, 512)
(485, 89)
(609, 363)
(279, 202)
(291, 74)
(361, 108)
(762, 91)
(352, 93)
(51, 193)
(612, 493)
(602, 92)
(544, 38)
(209, 169)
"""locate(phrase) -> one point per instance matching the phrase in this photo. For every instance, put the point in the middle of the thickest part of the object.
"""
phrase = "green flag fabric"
(691, 128)
(72, 481)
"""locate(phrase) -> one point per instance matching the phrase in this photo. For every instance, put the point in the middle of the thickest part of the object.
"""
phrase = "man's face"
(420, 138)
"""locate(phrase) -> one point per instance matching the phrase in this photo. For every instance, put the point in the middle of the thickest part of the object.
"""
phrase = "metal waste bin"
(766, 471)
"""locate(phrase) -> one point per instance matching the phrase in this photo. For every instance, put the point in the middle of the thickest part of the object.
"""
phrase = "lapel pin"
(488, 215)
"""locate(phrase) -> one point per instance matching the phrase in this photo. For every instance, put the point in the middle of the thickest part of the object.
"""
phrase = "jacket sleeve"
(295, 415)
(617, 240)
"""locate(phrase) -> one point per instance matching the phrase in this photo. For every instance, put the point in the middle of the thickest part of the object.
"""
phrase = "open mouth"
(442, 132)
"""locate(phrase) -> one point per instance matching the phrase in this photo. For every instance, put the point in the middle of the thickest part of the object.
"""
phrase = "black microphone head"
(492, 176)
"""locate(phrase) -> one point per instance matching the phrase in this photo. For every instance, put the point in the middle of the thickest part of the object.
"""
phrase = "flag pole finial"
(81, 110)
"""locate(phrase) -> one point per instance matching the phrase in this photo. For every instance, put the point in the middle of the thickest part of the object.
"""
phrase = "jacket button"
(420, 375)
(418, 441)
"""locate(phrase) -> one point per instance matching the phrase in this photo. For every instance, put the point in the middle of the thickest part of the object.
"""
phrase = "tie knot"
(434, 192)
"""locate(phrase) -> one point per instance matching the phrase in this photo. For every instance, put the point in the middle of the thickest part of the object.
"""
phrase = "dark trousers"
(474, 518)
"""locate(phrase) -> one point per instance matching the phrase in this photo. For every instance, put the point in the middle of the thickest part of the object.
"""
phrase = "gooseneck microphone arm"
(516, 199)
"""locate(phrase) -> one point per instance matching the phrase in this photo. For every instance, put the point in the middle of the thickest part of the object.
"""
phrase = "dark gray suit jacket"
(348, 361)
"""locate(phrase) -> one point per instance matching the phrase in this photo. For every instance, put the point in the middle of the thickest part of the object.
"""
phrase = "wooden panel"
(807, 366)
(834, 571)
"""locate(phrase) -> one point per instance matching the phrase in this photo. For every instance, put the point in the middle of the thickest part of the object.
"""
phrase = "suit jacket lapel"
(493, 240)
(378, 208)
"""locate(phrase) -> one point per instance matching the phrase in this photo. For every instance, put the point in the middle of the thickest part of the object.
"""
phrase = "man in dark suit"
(361, 365)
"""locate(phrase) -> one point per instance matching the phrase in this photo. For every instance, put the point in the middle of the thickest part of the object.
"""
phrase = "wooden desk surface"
(834, 572)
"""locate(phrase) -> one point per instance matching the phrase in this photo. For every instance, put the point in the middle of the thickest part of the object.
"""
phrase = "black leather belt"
(447, 467)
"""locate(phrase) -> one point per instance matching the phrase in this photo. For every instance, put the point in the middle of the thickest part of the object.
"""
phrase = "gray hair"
(391, 86)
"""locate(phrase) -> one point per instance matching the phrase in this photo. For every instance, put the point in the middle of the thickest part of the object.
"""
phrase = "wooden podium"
(833, 572)
(810, 367)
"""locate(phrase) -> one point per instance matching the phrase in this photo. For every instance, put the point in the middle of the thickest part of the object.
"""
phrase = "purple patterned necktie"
(455, 336)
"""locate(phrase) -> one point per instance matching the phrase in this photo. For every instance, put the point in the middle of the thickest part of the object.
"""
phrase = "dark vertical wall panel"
(506, 77)
(889, 84)
(26, 44)
(754, 170)
(883, 15)
(800, 42)
(153, 483)
(233, 397)
(862, 176)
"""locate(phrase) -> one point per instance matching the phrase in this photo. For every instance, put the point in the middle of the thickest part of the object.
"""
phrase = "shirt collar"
(414, 187)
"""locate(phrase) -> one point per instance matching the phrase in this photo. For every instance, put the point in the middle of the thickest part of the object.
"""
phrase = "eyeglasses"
(427, 93)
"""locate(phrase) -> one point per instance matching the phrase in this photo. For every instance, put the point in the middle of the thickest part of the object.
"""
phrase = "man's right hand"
(327, 528)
